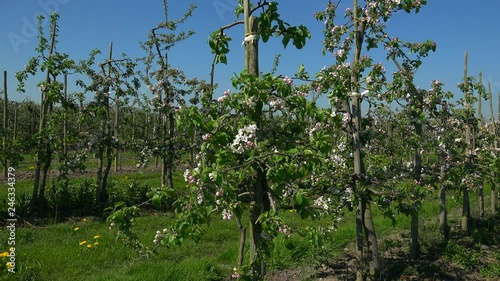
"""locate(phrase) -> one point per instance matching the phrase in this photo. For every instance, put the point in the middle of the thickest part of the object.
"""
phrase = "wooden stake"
(5, 124)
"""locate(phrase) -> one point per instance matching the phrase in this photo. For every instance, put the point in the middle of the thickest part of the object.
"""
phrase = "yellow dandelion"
(4, 254)
(97, 237)
(84, 220)
(96, 243)
(89, 246)
(76, 228)
(83, 242)
(8, 264)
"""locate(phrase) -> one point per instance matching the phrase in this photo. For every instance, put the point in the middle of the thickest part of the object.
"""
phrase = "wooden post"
(14, 129)
(493, 145)
(5, 123)
(252, 67)
(479, 103)
(468, 140)
(117, 116)
(65, 121)
(480, 125)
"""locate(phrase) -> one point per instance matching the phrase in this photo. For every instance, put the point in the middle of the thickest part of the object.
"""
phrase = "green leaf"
(299, 198)
(156, 201)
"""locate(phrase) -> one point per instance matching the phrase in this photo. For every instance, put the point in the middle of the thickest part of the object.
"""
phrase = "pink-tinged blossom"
(226, 215)
(206, 136)
(221, 99)
(245, 136)
(235, 274)
(339, 53)
(288, 80)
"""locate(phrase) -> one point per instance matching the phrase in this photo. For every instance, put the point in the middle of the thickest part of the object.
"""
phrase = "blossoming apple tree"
(348, 84)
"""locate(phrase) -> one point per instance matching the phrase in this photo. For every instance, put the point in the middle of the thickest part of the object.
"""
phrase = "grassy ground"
(53, 252)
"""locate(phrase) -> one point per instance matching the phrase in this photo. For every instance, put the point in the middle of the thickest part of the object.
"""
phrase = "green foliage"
(461, 255)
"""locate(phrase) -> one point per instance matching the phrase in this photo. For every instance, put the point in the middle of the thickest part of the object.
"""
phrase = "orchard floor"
(475, 256)
(464, 258)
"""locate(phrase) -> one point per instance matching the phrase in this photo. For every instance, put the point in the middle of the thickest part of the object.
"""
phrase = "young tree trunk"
(257, 264)
(105, 143)
(5, 124)
(359, 170)
(480, 124)
(44, 154)
(243, 233)
(14, 129)
(465, 202)
(65, 120)
(494, 176)
(164, 161)
(443, 216)
(117, 123)
(171, 150)
(371, 238)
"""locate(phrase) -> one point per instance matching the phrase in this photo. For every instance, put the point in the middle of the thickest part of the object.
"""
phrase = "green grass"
(53, 252)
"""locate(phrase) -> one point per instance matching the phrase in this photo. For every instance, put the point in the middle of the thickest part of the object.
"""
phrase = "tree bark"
(5, 124)
(468, 132)
(443, 216)
(494, 145)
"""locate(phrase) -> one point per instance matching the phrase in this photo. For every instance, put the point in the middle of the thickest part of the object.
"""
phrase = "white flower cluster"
(285, 229)
(287, 191)
(226, 215)
(224, 97)
(316, 127)
(276, 104)
(323, 203)
(200, 196)
(288, 80)
(244, 138)
(159, 235)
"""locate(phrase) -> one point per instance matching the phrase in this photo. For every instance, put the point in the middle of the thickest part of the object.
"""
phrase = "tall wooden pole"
(468, 140)
(480, 125)
(494, 145)
(117, 116)
(257, 264)
(65, 121)
(5, 123)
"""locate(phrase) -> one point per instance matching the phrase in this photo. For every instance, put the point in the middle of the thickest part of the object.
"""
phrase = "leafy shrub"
(466, 258)
(67, 199)
(131, 194)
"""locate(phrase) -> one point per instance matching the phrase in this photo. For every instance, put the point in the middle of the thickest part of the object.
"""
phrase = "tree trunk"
(494, 145)
(171, 150)
(105, 143)
(243, 233)
(44, 156)
(65, 120)
(257, 264)
(359, 170)
(117, 122)
(480, 124)
(443, 216)
(465, 202)
(5, 124)
(14, 129)
(371, 237)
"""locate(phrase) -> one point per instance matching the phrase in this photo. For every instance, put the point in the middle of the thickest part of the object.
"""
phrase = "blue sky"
(455, 25)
